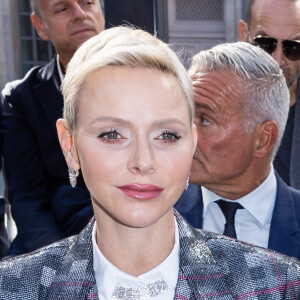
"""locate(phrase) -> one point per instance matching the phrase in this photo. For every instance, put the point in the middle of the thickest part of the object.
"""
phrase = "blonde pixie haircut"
(120, 46)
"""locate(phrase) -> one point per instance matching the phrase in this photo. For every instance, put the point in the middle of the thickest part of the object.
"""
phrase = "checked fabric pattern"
(211, 267)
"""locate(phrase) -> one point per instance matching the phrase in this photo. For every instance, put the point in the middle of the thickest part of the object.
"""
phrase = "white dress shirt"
(108, 276)
(252, 224)
(60, 71)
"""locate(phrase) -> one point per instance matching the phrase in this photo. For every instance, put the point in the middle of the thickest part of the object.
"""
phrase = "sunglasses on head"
(290, 48)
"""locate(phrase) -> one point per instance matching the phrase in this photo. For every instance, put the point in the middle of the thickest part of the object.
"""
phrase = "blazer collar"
(75, 279)
(47, 92)
(199, 276)
(285, 231)
(199, 269)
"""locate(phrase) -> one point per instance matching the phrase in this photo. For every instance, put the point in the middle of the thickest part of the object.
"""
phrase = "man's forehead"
(220, 77)
(218, 87)
(286, 12)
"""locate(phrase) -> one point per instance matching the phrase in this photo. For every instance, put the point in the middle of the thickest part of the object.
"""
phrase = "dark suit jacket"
(211, 267)
(44, 206)
(285, 225)
(293, 169)
(295, 152)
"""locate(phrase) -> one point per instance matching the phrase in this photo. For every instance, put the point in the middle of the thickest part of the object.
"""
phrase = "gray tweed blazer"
(211, 267)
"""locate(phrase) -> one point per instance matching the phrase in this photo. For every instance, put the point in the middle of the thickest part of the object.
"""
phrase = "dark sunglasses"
(291, 49)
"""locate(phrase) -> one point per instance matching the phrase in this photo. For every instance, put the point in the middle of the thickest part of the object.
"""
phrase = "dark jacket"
(44, 206)
(285, 225)
(289, 167)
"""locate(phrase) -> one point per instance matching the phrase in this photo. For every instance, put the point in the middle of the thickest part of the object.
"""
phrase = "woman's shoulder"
(23, 277)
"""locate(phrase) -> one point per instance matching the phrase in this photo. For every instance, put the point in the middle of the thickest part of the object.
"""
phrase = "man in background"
(42, 201)
(274, 25)
(241, 108)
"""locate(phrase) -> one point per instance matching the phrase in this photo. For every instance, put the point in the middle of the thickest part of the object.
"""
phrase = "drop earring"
(187, 182)
(73, 176)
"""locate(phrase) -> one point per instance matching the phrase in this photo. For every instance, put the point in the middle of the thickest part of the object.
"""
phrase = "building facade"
(188, 25)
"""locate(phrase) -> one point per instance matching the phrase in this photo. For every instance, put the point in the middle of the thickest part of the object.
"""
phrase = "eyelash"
(62, 9)
(174, 134)
(104, 136)
(110, 140)
(202, 118)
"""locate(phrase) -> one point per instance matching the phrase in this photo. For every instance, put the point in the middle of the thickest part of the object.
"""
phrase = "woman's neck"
(135, 251)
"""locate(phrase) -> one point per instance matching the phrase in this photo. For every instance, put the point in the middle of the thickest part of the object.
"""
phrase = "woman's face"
(133, 143)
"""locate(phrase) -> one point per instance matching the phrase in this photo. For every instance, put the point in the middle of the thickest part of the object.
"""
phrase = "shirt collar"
(108, 276)
(60, 72)
(259, 203)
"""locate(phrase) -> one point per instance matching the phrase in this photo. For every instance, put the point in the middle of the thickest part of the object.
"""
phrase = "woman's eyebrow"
(110, 119)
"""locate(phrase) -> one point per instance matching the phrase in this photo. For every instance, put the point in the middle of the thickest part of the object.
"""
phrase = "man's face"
(68, 23)
(224, 150)
(281, 20)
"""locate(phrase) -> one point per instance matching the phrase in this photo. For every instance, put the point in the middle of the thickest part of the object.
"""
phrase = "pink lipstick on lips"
(141, 191)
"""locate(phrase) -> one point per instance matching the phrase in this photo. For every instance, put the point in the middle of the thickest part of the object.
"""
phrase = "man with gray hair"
(274, 25)
(241, 108)
(43, 205)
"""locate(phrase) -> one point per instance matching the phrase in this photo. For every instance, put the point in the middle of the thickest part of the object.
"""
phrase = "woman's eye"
(169, 137)
(110, 136)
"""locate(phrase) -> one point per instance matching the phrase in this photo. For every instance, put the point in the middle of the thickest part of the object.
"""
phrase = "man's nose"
(78, 12)
(278, 54)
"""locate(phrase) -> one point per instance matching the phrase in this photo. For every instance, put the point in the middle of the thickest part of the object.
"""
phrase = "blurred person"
(44, 207)
(274, 25)
(241, 108)
(134, 145)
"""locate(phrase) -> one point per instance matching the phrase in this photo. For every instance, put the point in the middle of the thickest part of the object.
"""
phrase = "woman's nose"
(142, 159)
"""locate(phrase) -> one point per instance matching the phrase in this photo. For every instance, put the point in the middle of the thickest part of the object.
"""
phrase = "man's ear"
(40, 27)
(266, 136)
(66, 143)
(243, 31)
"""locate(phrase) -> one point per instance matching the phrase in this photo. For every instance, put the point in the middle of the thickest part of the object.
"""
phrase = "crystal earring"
(73, 176)
(187, 182)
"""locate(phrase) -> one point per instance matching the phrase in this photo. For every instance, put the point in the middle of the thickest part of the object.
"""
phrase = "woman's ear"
(266, 137)
(40, 27)
(66, 144)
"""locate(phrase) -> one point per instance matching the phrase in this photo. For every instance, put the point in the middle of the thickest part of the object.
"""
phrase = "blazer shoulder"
(242, 268)
(253, 270)
(22, 87)
(26, 276)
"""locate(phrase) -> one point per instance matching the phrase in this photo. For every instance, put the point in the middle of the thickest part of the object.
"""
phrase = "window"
(34, 50)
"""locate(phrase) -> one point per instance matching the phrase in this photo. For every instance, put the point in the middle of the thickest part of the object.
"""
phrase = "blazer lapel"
(75, 279)
(295, 152)
(200, 275)
(284, 231)
(47, 92)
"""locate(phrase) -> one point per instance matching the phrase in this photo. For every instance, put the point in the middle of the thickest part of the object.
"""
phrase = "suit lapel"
(200, 275)
(295, 152)
(190, 205)
(47, 92)
(284, 231)
(75, 279)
